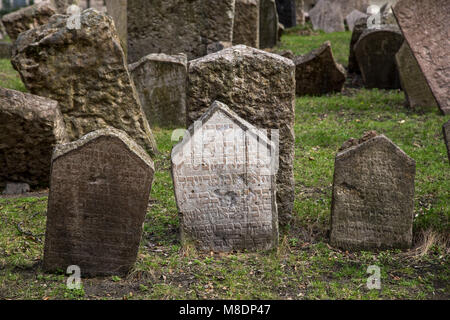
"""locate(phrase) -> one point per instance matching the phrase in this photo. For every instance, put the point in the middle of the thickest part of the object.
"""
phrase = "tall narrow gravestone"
(99, 191)
(429, 43)
(373, 195)
(224, 180)
(246, 23)
(268, 24)
(287, 12)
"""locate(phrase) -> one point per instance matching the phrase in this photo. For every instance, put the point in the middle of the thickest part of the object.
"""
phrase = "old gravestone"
(446, 131)
(358, 29)
(375, 53)
(300, 12)
(327, 16)
(117, 9)
(287, 13)
(417, 92)
(173, 26)
(86, 72)
(268, 24)
(373, 196)
(260, 88)
(160, 81)
(224, 181)
(99, 191)
(317, 72)
(429, 43)
(30, 127)
(353, 17)
(246, 23)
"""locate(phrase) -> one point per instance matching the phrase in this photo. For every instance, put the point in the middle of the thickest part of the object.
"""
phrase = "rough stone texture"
(268, 24)
(327, 16)
(62, 5)
(446, 131)
(287, 11)
(5, 50)
(353, 17)
(418, 93)
(13, 188)
(429, 43)
(30, 127)
(173, 26)
(373, 196)
(27, 18)
(260, 88)
(375, 53)
(161, 81)
(218, 46)
(300, 12)
(224, 185)
(359, 28)
(309, 4)
(246, 23)
(317, 72)
(99, 191)
(86, 72)
(117, 9)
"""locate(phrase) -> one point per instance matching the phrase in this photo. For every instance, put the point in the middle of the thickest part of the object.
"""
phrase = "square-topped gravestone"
(224, 180)
(99, 191)
(373, 195)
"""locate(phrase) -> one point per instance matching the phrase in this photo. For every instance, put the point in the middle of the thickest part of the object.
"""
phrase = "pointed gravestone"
(317, 72)
(287, 11)
(224, 180)
(327, 16)
(260, 88)
(446, 131)
(429, 43)
(246, 23)
(373, 195)
(99, 191)
(268, 24)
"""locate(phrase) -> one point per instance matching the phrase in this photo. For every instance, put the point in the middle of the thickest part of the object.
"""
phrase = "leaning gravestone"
(327, 16)
(268, 24)
(375, 53)
(373, 196)
(260, 88)
(173, 26)
(429, 43)
(287, 13)
(417, 92)
(160, 81)
(86, 72)
(224, 181)
(246, 23)
(358, 29)
(317, 72)
(446, 131)
(30, 127)
(99, 191)
(353, 17)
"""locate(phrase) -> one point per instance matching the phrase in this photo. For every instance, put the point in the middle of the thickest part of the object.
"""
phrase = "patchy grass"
(9, 78)
(304, 266)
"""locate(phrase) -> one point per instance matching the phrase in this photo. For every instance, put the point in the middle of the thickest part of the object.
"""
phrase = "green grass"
(304, 266)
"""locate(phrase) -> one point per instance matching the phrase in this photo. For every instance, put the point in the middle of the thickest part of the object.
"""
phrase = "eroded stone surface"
(100, 186)
(86, 72)
(30, 127)
(246, 23)
(260, 88)
(429, 43)
(446, 131)
(224, 184)
(327, 16)
(268, 24)
(317, 72)
(161, 81)
(373, 196)
(287, 11)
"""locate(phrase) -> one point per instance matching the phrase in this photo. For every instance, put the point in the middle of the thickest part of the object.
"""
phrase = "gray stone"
(260, 88)
(418, 93)
(429, 43)
(359, 28)
(309, 4)
(99, 191)
(246, 23)
(218, 46)
(16, 188)
(287, 10)
(354, 16)
(347, 6)
(446, 131)
(86, 72)
(30, 127)
(373, 196)
(268, 24)
(117, 9)
(225, 184)
(5, 50)
(375, 53)
(327, 16)
(161, 81)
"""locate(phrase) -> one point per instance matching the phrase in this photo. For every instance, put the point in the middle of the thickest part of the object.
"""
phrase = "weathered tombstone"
(375, 53)
(287, 10)
(246, 23)
(373, 196)
(30, 127)
(268, 24)
(160, 81)
(260, 88)
(86, 72)
(413, 82)
(62, 5)
(173, 26)
(99, 191)
(359, 27)
(218, 46)
(224, 181)
(353, 17)
(429, 43)
(14, 188)
(317, 72)
(5, 50)
(327, 16)
(117, 9)
(300, 12)
(446, 131)
(27, 18)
